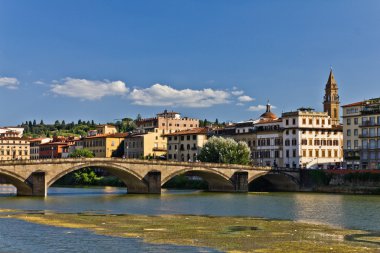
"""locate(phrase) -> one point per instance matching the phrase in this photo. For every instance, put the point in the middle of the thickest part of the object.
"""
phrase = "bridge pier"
(240, 181)
(154, 182)
(39, 187)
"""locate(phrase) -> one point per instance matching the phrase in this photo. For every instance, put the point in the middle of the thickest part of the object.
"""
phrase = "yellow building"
(104, 145)
(14, 149)
(149, 138)
(143, 145)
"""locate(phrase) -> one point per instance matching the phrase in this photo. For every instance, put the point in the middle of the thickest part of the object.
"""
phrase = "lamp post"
(52, 152)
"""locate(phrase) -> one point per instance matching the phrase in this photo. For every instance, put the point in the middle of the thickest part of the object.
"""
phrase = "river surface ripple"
(346, 211)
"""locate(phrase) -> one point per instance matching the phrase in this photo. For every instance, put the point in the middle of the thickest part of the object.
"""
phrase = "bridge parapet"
(140, 176)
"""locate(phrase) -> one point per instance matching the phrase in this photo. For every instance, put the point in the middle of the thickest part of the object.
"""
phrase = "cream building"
(14, 149)
(302, 138)
(310, 140)
(149, 139)
(186, 145)
(361, 129)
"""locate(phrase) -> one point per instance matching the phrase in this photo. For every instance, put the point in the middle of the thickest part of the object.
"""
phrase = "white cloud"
(237, 92)
(239, 104)
(88, 89)
(245, 98)
(39, 82)
(163, 95)
(256, 108)
(9, 82)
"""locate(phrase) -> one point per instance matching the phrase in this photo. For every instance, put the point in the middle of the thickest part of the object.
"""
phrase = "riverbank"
(341, 181)
(230, 234)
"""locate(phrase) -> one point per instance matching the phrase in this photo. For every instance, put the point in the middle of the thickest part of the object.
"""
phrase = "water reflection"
(359, 212)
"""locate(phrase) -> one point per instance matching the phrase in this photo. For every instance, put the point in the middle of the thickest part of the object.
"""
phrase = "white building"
(310, 140)
(14, 132)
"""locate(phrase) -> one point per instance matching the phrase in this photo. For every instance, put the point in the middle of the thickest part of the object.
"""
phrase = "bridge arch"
(22, 186)
(216, 180)
(135, 183)
(273, 181)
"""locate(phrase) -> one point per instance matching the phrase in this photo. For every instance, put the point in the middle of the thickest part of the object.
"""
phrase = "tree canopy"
(225, 150)
(81, 153)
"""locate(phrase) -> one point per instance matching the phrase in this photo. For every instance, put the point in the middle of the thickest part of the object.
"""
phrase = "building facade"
(186, 145)
(14, 149)
(102, 145)
(150, 137)
(35, 147)
(11, 132)
(361, 129)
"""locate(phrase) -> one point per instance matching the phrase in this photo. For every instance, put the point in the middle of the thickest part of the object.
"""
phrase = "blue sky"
(106, 60)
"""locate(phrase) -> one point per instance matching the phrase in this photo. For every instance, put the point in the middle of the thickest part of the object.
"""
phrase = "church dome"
(268, 114)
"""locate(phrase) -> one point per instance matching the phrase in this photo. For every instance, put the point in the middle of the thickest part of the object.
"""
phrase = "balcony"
(373, 136)
(369, 124)
(162, 149)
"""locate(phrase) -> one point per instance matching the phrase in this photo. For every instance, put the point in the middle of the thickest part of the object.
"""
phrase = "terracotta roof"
(354, 104)
(54, 143)
(14, 138)
(116, 135)
(268, 114)
(199, 130)
(268, 120)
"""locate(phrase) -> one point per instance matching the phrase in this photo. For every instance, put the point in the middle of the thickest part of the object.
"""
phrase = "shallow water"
(347, 211)
(17, 236)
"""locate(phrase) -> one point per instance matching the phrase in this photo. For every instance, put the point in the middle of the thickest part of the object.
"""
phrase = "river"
(346, 211)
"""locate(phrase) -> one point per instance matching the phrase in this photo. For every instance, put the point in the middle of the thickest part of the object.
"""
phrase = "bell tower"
(331, 99)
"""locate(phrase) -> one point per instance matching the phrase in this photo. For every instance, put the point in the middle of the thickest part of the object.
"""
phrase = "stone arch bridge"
(33, 177)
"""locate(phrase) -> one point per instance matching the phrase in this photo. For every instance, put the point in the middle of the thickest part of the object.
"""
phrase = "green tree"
(82, 153)
(225, 150)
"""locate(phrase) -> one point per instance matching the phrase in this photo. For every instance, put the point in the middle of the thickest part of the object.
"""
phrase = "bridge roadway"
(33, 177)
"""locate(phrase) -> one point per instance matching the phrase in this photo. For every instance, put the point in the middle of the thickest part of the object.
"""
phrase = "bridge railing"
(135, 161)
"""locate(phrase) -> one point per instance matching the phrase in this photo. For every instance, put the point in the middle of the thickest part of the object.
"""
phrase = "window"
(310, 121)
(188, 137)
(364, 143)
(303, 121)
(287, 142)
(294, 142)
(356, 132)
(294, 152)
(356, 121)
(294, 121)
(356, 144)
(194, 137)
(287, 153)
(348, 144)
(348, 121)
(348, 132)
